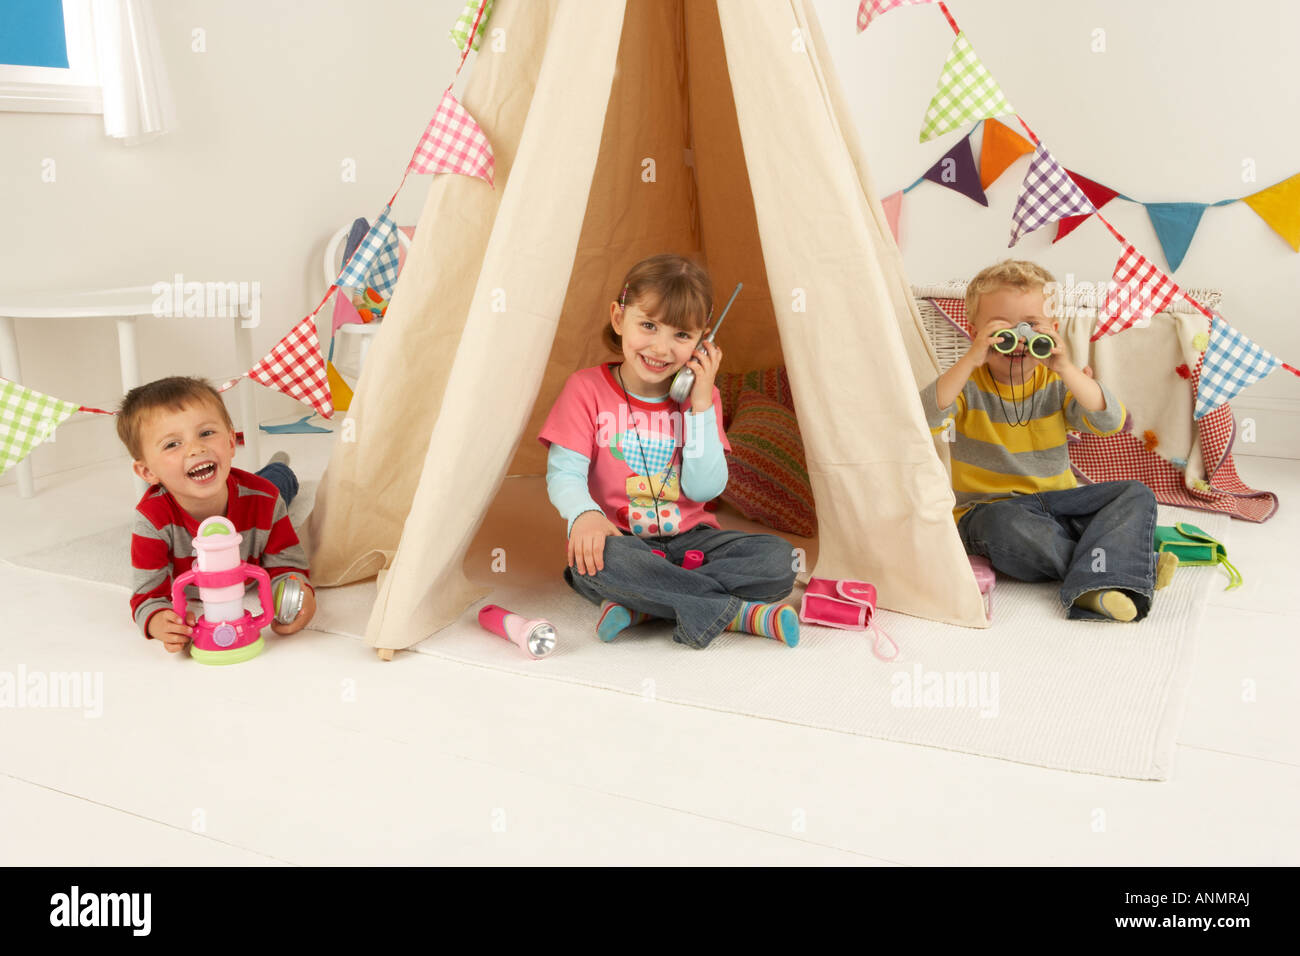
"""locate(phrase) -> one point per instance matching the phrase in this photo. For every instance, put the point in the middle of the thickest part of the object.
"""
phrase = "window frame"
(46, 89)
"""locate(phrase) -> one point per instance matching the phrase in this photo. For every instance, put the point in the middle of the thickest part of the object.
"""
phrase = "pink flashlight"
(534, 635)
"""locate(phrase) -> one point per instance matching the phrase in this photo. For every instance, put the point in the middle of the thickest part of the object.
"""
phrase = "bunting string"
(967, 93)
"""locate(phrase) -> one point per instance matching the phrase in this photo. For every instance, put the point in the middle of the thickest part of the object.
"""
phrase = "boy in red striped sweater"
(182, 439)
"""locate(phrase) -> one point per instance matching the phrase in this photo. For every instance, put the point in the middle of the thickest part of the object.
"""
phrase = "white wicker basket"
(950, 343)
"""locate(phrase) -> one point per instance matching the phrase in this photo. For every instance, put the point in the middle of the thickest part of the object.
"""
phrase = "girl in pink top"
(630, 471)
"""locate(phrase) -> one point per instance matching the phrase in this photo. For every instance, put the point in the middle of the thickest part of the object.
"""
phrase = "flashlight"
(535, 636)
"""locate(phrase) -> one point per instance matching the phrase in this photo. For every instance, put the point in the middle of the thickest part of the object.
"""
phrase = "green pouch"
(1193, 546)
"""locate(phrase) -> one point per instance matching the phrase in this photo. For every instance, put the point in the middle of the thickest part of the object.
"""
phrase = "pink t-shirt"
(592, 418)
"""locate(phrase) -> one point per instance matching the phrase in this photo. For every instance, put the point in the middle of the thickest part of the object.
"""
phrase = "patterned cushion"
(767, 472)
(771, 383)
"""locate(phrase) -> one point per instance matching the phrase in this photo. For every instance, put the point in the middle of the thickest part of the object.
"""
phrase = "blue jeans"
(282, 476)
(1090, 537)
(737, 567)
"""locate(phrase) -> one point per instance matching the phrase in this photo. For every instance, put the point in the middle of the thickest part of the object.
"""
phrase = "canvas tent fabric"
(623, 130)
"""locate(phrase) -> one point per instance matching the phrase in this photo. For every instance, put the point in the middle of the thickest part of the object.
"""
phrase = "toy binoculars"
(1038, 345)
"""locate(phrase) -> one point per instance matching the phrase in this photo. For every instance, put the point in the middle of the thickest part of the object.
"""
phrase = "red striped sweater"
(162, 540)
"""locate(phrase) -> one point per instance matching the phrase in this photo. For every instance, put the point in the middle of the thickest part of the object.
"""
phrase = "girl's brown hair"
(671, 289)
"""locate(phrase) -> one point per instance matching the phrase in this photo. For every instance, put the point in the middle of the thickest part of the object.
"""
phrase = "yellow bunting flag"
(339, 390)
(1279, 206)
(1002, 146)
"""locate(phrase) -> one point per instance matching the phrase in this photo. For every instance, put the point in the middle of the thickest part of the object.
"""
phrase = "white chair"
(363, 332)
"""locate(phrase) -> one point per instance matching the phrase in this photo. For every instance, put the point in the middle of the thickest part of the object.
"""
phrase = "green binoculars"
(1039, 345)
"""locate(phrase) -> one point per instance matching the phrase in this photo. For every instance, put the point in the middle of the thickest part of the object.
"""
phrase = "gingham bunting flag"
(375, 262)
(868, 10)
(1231, 362)
(967, 93)
(27, 418)
(296, 367)
(453, 143)
(1047, 194)
(1139, 291)
(465, 23)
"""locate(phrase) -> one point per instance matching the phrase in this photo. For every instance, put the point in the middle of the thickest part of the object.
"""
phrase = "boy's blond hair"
(174, 394)
(1009, 273)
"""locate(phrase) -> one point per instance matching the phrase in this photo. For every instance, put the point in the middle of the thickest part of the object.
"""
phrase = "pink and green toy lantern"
(225, 633)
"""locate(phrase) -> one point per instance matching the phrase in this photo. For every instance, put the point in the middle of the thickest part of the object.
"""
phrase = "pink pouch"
(986, 579)
(848, 605)
(844, 604)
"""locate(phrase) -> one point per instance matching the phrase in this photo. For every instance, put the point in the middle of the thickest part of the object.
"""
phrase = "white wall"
(248, 188)
(1184, 92)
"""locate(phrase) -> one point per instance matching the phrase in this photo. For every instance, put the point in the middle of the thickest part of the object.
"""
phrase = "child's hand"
(1059, 360)
(982, 341)
(587, 540)
(704, 363)
(304, 615)
(167, 627)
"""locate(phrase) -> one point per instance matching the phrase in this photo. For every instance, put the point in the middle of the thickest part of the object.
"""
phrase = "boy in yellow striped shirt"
(1018, 503)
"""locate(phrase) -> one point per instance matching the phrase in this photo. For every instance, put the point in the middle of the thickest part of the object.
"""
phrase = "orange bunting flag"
(1002, 146)
(340, 392)
(1279, 206)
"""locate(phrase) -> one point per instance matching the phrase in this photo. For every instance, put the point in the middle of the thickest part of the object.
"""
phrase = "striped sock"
(614, 618)
(780, 622)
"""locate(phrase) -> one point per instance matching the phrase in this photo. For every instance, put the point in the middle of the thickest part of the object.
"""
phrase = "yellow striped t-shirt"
(993, 458)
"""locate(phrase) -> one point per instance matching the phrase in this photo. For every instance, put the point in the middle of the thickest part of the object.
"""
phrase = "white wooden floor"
(329, 756)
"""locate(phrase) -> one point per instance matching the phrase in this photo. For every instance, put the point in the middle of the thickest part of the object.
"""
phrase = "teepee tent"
(622, 129)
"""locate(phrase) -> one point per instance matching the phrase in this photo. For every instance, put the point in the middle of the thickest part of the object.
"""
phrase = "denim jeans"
(1090, 537)
(282, 476)
(737, 567)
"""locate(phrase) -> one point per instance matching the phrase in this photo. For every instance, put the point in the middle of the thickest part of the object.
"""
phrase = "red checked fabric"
(868, 10)
(453, 143)
(1141, 291)
(1123, 457)
(296, 367)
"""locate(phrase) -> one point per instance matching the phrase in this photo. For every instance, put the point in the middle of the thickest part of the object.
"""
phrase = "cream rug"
(1034, 688)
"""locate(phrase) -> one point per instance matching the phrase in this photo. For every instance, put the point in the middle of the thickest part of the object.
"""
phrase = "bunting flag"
(1097, 194)
(345, 313)
(296, 367)
(868, 10)
(1138, 291)
(893, 204)
(300, 427)
(375, 261)
(1231, 362)
(1279, 206)
(466, 23)
(956, 170)
(1001, 147)
(340, 391)
(27, 418)
(967, 93)
(1175, 224)
(453, 143)
(1048, 194)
